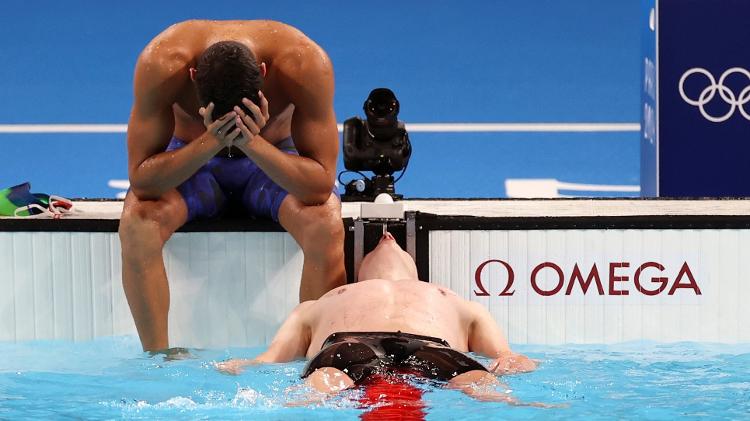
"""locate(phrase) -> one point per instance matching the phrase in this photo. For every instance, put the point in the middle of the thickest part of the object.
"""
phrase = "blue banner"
(703, 93)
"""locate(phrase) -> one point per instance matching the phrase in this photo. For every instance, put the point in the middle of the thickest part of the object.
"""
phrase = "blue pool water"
(112, 379)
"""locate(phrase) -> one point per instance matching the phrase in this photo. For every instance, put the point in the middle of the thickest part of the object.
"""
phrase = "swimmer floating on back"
(390, 321)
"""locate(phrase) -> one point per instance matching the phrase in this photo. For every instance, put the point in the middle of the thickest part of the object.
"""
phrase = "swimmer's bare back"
(298, 86)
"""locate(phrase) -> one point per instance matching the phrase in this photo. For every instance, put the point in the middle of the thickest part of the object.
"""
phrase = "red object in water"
(394, 399)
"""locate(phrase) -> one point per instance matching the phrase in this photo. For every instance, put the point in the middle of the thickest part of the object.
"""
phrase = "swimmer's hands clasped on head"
(251, 125)
(223, 131)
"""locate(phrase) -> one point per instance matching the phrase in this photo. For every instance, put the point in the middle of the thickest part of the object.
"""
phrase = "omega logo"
(647, 279)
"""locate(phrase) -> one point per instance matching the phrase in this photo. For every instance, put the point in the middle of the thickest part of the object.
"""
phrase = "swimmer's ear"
(263, 69)
(192, 73)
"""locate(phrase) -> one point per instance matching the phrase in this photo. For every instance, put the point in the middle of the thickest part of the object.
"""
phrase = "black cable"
(402, 173)
(365, 177)
(347, 171)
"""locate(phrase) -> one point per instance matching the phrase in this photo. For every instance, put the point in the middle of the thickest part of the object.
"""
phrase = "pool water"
(112, 378)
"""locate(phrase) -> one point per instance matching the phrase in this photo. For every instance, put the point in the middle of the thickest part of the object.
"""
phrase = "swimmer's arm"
(152, 172)
(310, 176)
(289, 344)
(486, 338)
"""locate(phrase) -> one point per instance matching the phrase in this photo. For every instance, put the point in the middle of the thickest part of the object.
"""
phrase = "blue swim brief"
(225, 181)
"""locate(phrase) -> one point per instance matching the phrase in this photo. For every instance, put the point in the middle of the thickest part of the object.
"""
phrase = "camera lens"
(381, 107)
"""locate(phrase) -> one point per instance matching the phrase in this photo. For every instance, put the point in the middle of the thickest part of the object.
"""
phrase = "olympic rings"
(726, 94)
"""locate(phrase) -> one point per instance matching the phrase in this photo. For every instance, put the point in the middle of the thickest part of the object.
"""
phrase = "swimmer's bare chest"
(387, 306)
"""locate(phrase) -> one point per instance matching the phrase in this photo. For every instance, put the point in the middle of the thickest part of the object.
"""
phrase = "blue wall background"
(485, 61)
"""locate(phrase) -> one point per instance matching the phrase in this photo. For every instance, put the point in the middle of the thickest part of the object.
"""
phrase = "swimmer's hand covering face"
(222, 131)
(251, 124)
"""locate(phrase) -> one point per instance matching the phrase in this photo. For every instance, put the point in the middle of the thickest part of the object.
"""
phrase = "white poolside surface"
(235, 288)
(506, 208)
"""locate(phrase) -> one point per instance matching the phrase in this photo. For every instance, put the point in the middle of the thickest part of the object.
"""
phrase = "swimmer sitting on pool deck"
(229, 112)
(391, 321)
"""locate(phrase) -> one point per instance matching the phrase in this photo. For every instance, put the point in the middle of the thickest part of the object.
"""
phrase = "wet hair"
(225, 73)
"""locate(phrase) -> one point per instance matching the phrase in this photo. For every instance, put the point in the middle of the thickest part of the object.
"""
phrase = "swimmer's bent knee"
(142, 214)
(329, 379)
(323, 221)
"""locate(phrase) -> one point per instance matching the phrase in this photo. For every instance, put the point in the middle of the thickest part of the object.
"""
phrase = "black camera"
(378, 143)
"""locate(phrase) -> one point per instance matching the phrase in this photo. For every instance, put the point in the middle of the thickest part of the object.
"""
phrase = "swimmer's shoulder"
(338, 291)
(288, 38)
(169, 53)
(303, 64)
(443, 291)
(305, 306)
(304, 311)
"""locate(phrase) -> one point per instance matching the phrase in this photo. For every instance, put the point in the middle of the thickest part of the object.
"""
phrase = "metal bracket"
(359, 245)
(359, 236)
(411, 235)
